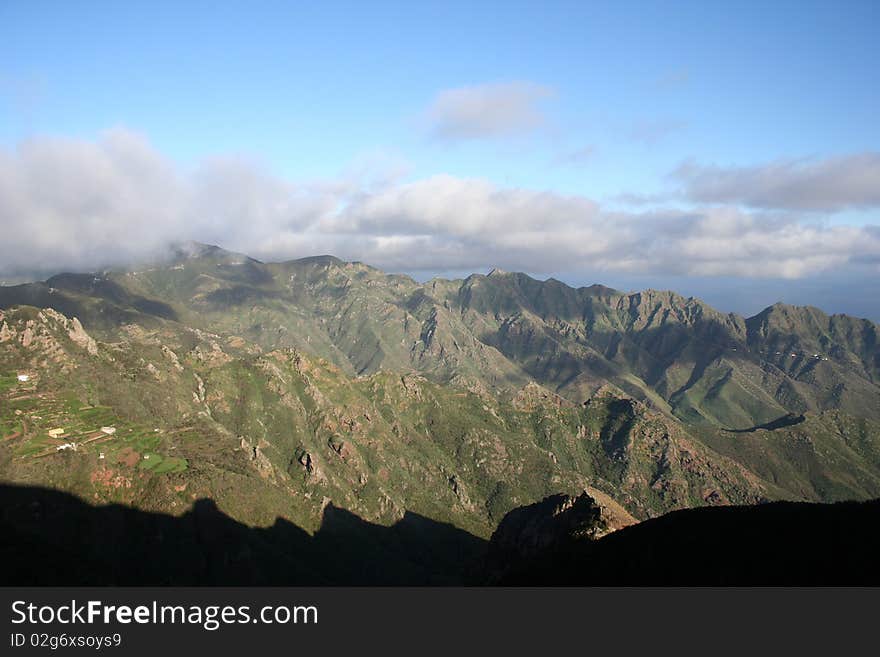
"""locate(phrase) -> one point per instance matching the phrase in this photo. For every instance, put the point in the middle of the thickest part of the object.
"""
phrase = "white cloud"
(70, 204)
(71, 201)
(832, 184)
(487, 111)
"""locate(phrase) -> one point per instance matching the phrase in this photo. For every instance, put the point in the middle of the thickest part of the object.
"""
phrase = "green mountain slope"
(274, 432)
(498, 332)
(279, 389)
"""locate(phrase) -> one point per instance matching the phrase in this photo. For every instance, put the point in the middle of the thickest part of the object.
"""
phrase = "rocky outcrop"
(170, 355)
(545, 526)
(533, 396)
(6, 334)
(46, 336)
(78, 335)
(412, 384)
(258, 458)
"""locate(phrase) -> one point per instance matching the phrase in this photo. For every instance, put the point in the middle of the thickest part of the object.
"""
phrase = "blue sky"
(595, 102)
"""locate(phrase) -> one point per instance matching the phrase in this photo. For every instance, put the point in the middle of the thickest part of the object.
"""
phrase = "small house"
(55, 433)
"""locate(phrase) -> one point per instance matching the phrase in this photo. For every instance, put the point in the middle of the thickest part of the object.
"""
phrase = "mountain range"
(282, 390)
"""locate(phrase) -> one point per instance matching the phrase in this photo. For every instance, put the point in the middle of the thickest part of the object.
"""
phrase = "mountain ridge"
(276, 389)
(677, 352)
(194, 249)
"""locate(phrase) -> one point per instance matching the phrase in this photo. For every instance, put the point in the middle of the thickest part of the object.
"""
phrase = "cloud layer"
(487, 111)
(68, 204)
(833, 184)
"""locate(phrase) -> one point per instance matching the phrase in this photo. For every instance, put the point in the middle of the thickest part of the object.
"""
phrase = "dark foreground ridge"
(52, 538)
(778, 543)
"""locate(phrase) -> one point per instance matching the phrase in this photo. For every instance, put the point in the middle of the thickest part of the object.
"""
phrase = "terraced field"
(38, 424)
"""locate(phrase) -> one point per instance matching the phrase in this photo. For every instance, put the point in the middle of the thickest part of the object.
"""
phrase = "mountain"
(52, 538)
(499, 332)
(282, 390)
(558, 541)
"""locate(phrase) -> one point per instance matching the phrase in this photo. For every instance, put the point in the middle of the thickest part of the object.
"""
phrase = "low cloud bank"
(827, 185)
(73, 204)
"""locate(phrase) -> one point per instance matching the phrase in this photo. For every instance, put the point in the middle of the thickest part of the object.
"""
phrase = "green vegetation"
(278, 389)
(159, 464)
(7, 381)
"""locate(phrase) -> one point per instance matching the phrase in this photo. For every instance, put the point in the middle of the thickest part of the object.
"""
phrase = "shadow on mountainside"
(52, 538)
(733, 378)
(787, 420)
(101, 305)
(780, 543)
